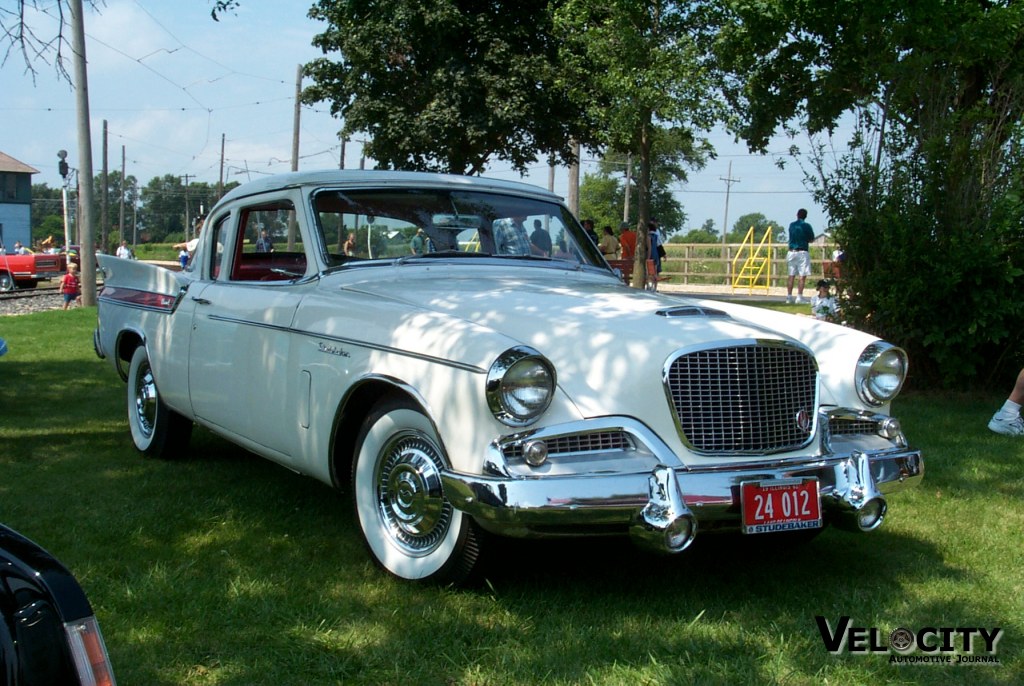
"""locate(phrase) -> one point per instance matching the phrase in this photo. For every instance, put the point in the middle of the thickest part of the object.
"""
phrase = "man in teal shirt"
(798, 260)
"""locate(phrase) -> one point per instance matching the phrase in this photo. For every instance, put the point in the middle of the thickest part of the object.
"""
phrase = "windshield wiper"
(441, 253)
(541, 258)
(285, 272)
(456, 253)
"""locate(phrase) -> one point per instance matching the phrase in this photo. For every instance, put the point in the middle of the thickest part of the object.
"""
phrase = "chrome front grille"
(745, 399)
(575, 444)
(842, 426)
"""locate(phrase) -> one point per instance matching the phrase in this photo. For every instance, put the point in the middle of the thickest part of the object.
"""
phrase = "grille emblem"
(803, 420)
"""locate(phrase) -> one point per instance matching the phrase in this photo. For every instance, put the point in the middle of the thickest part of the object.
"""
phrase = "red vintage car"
(25, 271)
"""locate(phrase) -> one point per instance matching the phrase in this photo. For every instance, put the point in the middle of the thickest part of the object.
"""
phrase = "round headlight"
(881, 370)
(520, 385)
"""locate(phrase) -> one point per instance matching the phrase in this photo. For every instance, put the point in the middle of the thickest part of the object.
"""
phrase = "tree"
(47, 213)
(639, 66)
(167, 201)
(602, 195)
(926, 200)
(601, 198)
(755, 221)
(705, 234)
(113, 204)
(17, 35)
(445, 85)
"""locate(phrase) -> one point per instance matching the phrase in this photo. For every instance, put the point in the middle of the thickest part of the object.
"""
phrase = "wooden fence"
(711, 263)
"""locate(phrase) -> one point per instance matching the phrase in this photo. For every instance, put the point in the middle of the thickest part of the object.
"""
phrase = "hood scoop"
(692, 311)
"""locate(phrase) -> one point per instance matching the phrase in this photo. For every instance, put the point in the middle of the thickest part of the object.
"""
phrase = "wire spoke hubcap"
(145, 400)
(409, 494)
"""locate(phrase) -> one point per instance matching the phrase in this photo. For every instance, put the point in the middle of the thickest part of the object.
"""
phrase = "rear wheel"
(157, 430)
(6, 282)
(409, 527)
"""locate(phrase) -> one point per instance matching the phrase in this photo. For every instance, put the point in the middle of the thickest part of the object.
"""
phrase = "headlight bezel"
(881, 373)
(520, 363)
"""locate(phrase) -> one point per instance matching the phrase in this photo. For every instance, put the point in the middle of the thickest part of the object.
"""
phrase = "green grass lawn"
(223, 568)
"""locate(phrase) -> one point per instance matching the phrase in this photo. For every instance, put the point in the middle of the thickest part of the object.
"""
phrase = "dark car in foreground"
(49, 635)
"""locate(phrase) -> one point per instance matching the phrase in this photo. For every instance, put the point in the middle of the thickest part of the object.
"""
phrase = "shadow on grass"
(257, 546)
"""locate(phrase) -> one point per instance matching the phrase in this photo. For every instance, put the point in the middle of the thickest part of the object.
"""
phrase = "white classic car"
(457, 353)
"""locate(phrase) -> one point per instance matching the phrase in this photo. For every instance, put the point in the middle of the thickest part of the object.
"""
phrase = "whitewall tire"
(409, 527)
(157, 431)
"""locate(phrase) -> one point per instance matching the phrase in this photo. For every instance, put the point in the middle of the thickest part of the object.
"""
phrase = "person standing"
(627, 241)
(350, 244)
(588, 226)
(1007, 420)
(263, 243)
(418, 244)
(188, 248)
(540, 240)
(123, 251)
(609, 245)
(798, 259)
(657, 244)
(71, 286)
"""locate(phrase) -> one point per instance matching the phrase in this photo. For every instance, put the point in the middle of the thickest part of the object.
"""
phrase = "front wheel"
(157, 430)
(409, 527)
(6, 282)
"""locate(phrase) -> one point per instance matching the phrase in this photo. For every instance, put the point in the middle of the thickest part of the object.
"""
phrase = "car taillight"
(89, 652)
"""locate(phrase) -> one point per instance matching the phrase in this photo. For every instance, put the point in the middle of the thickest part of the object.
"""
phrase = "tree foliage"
(705, 234)
(445, 85)
(640, 67)
(756, 221)
(926, 200)
(603, 194)
(110, 224)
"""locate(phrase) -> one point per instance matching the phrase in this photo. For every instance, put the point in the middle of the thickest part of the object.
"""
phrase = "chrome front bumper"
(663, 507)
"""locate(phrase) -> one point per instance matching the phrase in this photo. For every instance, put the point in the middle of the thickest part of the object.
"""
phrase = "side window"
(217, 258)
(268, 245)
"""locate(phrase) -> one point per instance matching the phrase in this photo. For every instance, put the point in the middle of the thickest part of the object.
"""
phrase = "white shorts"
(798, 262)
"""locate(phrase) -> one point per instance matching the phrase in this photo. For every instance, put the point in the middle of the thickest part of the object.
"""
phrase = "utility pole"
(135, 214)
(188, 211)
(64, 169)
(105, 200)
(293, 227)
(729, 181)
(341, 158)
(88, 247)
(220, 179)
(295, 118)
(629, 181)
(574, 181)
(120, 220)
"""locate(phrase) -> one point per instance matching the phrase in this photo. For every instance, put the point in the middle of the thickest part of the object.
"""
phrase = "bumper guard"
(662, 508)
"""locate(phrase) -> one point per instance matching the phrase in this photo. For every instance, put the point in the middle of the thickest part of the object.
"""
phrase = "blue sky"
(170, 82)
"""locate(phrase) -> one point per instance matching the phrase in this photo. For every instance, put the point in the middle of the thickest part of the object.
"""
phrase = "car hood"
(605, 341)
(559, 315)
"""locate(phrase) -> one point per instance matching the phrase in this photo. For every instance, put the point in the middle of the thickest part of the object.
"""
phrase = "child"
(71, 287)
(823, 305)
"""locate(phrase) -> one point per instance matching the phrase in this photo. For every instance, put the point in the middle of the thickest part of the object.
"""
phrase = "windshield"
(415, 223)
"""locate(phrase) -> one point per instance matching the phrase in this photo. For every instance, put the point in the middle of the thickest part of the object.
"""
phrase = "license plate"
(780, 505)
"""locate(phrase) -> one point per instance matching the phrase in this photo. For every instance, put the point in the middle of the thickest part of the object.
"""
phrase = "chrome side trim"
(354, 343)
